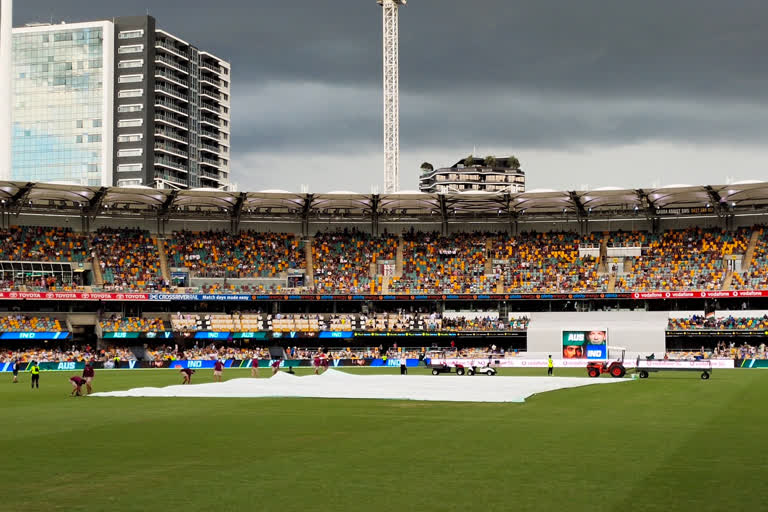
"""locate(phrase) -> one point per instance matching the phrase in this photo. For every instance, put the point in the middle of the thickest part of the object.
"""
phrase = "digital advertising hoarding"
(585, 344)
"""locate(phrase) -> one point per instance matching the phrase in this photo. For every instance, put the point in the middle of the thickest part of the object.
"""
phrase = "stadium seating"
(349, 261)
(23, 323)
(129, 259)
(246, 255)
(43, 244)
(690, 259)
(546, 263)
(342, 261)
(699, 322)
(132, 324)
(437, 264)
(757, 275)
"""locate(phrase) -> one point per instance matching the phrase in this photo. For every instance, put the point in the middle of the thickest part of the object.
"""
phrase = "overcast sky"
(589, 93)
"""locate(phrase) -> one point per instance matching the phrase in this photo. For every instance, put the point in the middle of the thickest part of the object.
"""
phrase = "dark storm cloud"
(525, 73)
(607, 46)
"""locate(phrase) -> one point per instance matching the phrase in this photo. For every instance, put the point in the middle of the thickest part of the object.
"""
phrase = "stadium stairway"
(310, 272)
(727, 280)
(602, 267)
(746, 263)
(399, 257)
(160, 243)
(488, 257)
(98, 278)
(612, 283)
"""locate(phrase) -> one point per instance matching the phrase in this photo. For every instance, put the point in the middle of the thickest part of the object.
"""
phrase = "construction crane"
(391, 94)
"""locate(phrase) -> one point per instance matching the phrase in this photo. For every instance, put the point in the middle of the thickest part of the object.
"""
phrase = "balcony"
(215, 162)
(172, 120)
(210, 134)
(174, 92)
(211, 121)
(210, 106)
(211, 148)
(168, 148)
(166, 75)
(159, 102)
(211, 67)
(210, 80)
(172, 164)
(210, 94)
(211, 175)
(171, 48)
(171, 63)
(170, 134)
(176, 180)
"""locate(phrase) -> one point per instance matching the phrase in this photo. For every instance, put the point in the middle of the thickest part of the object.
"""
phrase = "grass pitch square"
(671, 442)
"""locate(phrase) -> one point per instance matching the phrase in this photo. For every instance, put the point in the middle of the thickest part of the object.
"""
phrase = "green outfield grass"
(671, 442)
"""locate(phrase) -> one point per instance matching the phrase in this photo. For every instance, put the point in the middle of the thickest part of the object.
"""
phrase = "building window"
(94, 138)
(135, 63)
(131, 93)
(128, 183)
(131, 137)
(129, 79)
(126, 153)
(133, 48)
(130, 123)
(130, 34)
(130, 167)
(122, 109)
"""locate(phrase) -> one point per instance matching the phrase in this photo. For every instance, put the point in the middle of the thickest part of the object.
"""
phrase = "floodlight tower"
(391, 94)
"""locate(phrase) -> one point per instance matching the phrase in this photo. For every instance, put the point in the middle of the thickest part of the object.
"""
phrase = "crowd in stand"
(116, 323)
(24, 323)
(723, 350)
(351, 261)
(249, 254)
(547, 263)
(437, 264)
(374, 322)
(43, 244)
(129, 259)
(754, 273)
(690, 259)
(342, 261)
(699, 322)
(73, 354)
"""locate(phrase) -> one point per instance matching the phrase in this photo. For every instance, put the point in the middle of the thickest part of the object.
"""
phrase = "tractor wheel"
(643, 374)
(618, 371)
(459, 371)
(705, 376)
(593, 372)
(470, 372)
(435, 372)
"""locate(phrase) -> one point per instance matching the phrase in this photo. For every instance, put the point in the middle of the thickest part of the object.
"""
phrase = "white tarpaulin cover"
(335, 384)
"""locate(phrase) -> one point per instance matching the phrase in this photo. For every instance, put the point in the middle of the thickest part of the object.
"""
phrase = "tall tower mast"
(391, 94)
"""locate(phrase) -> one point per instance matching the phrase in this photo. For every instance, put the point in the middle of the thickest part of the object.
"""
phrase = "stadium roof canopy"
(720, 200)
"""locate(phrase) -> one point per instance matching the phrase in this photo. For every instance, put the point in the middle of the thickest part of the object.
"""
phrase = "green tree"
(426, 167)
(490, 161)
(513, 163)
(469, 161)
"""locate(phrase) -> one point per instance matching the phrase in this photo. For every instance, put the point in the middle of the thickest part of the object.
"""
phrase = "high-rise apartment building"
(118, 102)
(488, 174)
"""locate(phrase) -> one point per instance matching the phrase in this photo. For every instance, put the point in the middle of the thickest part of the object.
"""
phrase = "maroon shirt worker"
(218, 368)
(88, 374)
(187, 375)
(77, 383)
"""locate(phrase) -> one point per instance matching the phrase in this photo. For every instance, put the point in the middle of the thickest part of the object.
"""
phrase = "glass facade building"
(61, 83)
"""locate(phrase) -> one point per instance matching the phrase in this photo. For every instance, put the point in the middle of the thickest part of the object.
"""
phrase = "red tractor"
(615, 368)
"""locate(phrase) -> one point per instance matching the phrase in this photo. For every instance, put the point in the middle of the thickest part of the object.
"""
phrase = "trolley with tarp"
(644, 367)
